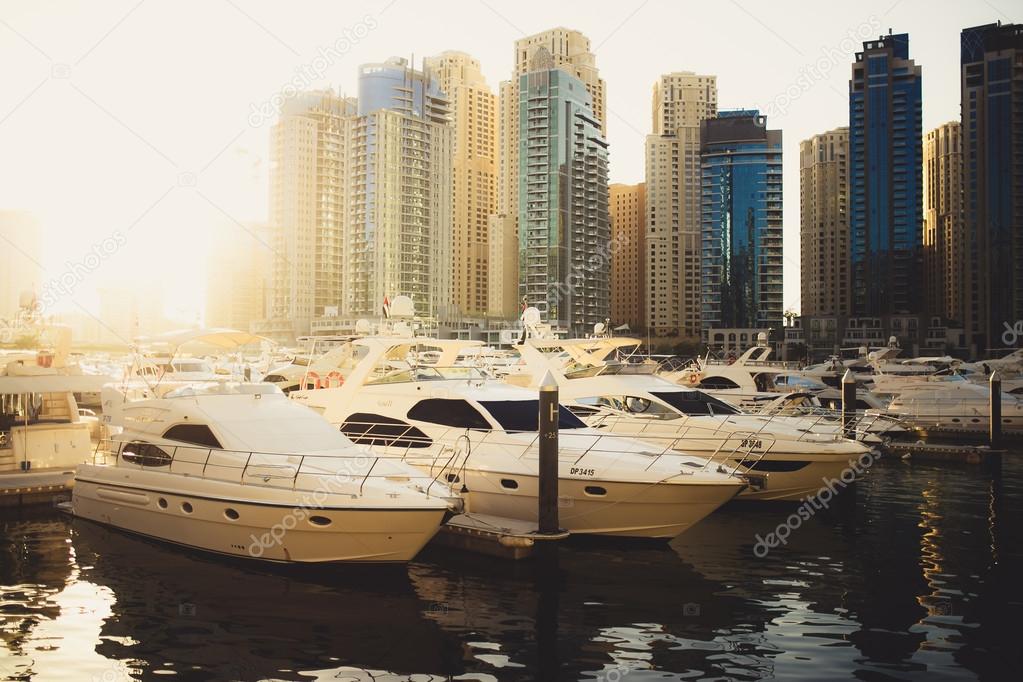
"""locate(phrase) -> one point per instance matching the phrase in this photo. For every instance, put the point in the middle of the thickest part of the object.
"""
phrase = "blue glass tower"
(885, 180)
(741, 221)
(992, 129)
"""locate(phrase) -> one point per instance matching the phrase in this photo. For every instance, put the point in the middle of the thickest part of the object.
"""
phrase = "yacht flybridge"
(785, 458)
(480, 435)
(238, 469)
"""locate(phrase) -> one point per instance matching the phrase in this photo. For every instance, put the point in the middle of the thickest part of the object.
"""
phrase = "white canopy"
(215, 336)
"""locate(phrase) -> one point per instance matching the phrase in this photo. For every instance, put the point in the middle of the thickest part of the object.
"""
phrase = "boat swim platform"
(495, 536)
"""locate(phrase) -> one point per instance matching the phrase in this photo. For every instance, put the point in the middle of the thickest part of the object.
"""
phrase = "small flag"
(387, 307)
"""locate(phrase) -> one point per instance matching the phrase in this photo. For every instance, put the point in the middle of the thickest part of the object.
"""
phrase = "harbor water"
(914, 573)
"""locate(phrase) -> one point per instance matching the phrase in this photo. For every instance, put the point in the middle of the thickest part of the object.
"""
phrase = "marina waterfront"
(911, 574)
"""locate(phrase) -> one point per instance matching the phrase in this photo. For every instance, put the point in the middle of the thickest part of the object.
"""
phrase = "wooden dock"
(943, 452)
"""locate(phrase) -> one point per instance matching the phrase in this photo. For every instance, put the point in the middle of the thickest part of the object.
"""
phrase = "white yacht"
(953, 404)
(43, 433)
(785, 458)
(481, 436)
(238, 469)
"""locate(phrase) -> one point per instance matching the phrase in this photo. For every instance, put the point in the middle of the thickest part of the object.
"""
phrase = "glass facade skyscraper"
(564, 233)
(885, 179)
(741, 219)
(992, 141)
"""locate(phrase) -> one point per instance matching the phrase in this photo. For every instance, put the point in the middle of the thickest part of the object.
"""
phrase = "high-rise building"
(569, 51)
(627, 206)
(503, 289)
(824, 223)
(474, 176)
(681, 102)
(992, 138)
(307, 152)
(944, 240)
(397, 208)
(20, 258)
(238, 276)
(885, 179)
(742, 222)
(564, 237)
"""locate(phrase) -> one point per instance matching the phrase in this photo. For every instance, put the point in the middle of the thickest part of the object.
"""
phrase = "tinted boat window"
(196, 434)
(146, 454)
(718, 383)
(695, 402)
(376, 429)
(448, 412)
(524, 415)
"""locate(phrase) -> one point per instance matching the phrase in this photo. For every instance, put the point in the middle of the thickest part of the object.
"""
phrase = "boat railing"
(311, 473)
(446, 450)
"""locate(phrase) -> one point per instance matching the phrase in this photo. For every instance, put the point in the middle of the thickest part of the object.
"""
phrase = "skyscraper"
(564, 237)
(237, 276)
(885, 179)
(944, 239)
(992, 137)
(307, 152)
(627, 206)
(474, 176)
(824, 223)
(570, 51)
(681, 102)
(742, 222)
(397, 226)
(20, 258)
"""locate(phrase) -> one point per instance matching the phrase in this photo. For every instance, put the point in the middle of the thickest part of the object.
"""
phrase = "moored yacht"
(481, 436)
(955, 405)
(43, 433)
(240, 470)
(785, 458)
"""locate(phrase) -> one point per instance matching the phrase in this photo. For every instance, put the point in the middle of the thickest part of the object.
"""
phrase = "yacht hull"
(795, 486)
(595, 507)
(273, 532)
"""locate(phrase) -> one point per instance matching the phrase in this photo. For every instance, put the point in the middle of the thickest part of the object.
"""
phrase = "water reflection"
(915, 574)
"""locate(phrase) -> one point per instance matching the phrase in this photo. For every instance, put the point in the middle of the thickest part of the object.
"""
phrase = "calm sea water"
(916, 574)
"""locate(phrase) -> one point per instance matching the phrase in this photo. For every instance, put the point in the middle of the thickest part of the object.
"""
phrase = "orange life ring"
(311, 376)
(693, 379)
(334, 379)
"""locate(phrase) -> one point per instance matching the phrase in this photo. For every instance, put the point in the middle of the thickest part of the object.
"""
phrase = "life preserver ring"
(334, 379)
(311, 377)
(693, 379)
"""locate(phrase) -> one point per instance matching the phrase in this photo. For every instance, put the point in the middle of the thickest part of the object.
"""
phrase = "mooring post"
(849, 404)
(995, 410)
(548, 470)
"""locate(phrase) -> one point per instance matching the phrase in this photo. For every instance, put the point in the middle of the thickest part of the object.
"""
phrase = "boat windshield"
(425, 373)
(524, 415)
(695, 402)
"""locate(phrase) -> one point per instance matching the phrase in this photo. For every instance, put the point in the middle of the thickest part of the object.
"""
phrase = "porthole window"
(319, 521)
(162, 502)
(231, 514)
(595, 490)
(509, 483)
(186, 507)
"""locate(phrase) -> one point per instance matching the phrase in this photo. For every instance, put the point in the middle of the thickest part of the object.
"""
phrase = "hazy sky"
(151, 119)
